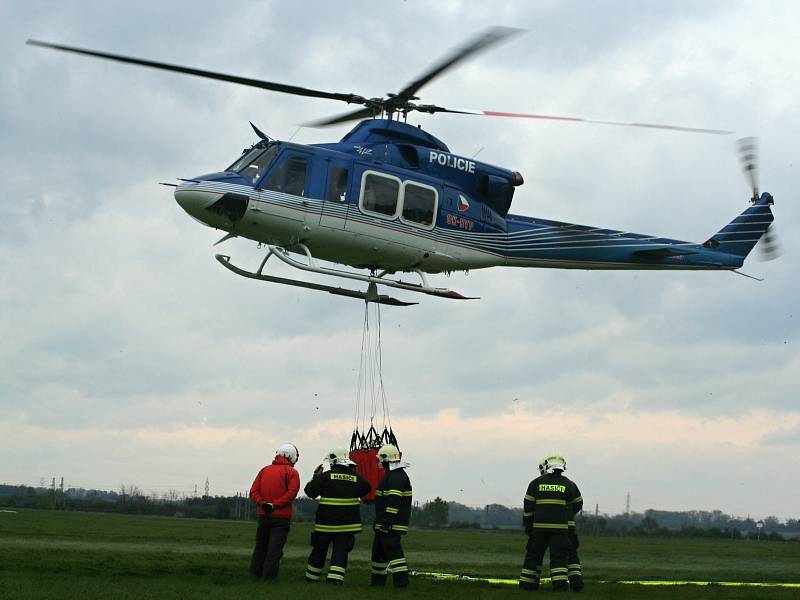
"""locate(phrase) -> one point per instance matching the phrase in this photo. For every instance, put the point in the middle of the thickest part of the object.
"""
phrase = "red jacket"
(277, 483)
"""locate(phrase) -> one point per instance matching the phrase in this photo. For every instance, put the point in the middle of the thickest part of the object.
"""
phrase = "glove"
(267, 507)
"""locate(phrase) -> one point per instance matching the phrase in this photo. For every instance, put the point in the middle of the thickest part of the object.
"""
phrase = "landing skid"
(371, 295)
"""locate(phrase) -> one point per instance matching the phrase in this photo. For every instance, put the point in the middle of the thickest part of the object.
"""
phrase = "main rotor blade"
(361, 113)
(492, 113)
(488, 38)
(258, 83)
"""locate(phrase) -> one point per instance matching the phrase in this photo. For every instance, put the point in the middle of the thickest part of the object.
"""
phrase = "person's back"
(339, 491)
(277, 484)
(549, 494)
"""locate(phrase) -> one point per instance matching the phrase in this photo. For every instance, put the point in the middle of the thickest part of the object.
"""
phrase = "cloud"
(475, 460)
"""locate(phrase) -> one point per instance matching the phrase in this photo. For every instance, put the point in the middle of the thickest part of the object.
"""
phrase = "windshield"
(254, 163)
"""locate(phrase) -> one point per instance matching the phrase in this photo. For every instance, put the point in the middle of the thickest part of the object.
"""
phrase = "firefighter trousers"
(574, 572)
(271, 536)
(538, 542)
(342, 543)
(387, 554)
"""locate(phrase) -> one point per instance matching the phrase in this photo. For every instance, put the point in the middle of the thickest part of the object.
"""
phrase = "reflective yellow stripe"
(408, 493)
(574, 566)
(399, 569)
(313, 569)
(550, 526)
(578, 499)
(311, 577)
(558, 570)
(400, 527)
(527, 497)
(376, 565)
(528, 579)
(379, 492)
(571, 523)
(397, 561)
(338, 528)
(339, 501)
(393, 492)
(336, 576)
(530, 572)
(558, 578)
(453, 576)
(551, 501)
(392, 511)
(337, 569)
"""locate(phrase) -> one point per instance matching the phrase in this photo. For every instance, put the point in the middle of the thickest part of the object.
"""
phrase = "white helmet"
(289, 451)
(388, 453)
(542, 468)
(339, 456)
(554, 461)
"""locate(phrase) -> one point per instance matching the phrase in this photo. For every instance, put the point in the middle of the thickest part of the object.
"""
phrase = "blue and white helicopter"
(391, 198)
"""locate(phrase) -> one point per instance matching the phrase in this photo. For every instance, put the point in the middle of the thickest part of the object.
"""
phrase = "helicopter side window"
(295, 183)
(379, 194)
(419, 204)
(275, 179)
(337, 186)
(289, 176)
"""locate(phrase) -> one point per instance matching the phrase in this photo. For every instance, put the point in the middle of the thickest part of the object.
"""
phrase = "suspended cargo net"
(372, 426)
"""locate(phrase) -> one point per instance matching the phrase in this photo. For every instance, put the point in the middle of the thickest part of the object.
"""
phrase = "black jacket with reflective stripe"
(339, 491)
(393, 500)
(551, 502)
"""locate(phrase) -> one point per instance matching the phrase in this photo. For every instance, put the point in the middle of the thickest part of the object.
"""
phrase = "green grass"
(47, 554)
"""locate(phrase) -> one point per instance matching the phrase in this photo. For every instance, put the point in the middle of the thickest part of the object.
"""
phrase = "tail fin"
(740, 235)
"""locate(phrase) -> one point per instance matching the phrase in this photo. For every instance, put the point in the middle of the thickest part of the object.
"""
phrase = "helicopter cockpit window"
(289, 176)
(379, 194)
(254, 163)
(419, 204)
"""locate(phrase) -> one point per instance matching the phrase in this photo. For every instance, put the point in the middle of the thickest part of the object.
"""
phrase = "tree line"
(436, 513)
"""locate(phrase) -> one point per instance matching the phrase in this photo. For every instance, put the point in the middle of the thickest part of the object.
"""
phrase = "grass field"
(47, 554)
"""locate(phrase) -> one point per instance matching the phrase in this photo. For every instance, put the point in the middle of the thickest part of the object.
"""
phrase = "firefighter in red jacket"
(274, 489)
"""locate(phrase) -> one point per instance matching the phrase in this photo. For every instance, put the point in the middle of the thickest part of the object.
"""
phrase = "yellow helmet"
(339, 456)
(554, 460)
(388, 453)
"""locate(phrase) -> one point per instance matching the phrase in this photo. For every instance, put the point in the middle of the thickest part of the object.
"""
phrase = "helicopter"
(390, 197)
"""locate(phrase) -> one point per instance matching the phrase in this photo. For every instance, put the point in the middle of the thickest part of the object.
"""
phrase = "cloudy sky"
(129, 356)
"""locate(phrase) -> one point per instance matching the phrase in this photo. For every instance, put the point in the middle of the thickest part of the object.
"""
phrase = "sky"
(129, 356)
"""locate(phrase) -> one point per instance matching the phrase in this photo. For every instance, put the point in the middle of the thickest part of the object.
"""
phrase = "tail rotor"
(748, 157)
(769, 247)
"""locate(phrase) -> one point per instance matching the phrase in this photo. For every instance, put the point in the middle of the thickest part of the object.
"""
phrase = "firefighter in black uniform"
(392, 514)
(338, 516)
(574, 573)
(550, 502)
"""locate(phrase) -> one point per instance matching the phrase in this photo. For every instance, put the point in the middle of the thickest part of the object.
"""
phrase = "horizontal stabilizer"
(664, 252)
